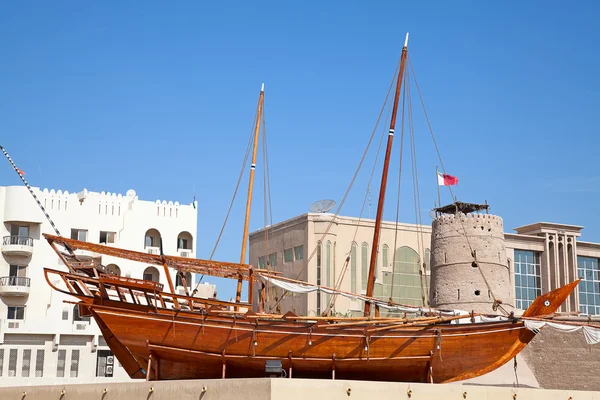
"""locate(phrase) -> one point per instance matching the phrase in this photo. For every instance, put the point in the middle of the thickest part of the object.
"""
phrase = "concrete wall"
(284, 389)
(312, 228)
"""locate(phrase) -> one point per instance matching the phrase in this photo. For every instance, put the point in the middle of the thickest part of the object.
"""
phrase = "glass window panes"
(403, 284)
(262, 261)
(589, 286)
(16, 312)
(299, 252)
(273, 259)
(527, 277)
(288, 255)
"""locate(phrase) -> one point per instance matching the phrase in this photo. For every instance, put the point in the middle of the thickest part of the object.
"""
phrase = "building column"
(546, 268)
(574, 270)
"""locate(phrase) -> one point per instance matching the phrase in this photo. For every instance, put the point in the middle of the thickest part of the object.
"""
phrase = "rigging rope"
(268, 213)
(497, 303)
(340, 279)
(416, 195)
(237, 186)
(351, 181)
(398, 201)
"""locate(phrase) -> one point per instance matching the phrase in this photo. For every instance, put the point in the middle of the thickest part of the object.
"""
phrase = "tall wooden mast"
(238, 293)
(388, 151)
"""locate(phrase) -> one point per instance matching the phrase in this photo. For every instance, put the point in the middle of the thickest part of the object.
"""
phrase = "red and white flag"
(446, 180)
(20, 171)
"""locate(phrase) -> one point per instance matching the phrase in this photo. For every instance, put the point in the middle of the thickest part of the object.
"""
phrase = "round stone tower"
(467, 250)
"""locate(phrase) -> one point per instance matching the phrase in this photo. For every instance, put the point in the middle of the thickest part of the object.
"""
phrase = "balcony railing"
(15, 281)
(152, 250)
(14, 240)
(184, 252)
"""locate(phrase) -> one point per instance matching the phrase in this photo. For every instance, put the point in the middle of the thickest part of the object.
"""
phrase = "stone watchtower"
(467, 250)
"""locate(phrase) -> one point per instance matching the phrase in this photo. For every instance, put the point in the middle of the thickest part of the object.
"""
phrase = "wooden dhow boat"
(159, 334)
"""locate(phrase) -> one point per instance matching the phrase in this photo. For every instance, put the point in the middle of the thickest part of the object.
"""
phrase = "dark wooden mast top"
(388, 151)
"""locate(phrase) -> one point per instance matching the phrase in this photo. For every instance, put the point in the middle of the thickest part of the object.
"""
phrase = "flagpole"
(438, 185)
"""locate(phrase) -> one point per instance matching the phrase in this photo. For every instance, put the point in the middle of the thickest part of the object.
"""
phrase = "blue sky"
(160, 97)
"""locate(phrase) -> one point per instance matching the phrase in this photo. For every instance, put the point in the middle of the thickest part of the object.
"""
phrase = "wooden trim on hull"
(207, 340)
(466, 351)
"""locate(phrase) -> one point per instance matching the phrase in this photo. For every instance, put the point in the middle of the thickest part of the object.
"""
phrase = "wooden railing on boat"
(132, 291)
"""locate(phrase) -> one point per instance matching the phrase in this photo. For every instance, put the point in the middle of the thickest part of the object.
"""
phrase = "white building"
(43, 340)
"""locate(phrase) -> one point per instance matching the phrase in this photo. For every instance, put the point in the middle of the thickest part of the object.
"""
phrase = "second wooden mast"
(388, 151)
(238, 293)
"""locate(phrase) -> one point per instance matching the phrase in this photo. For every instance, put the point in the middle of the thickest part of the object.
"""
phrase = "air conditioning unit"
(184, 253)
(13, 325)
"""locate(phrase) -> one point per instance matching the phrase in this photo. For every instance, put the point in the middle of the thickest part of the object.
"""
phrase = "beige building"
(326, 250)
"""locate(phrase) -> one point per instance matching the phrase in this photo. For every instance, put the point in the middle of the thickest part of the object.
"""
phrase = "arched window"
(185, 241)
(319, 269)
(353, 276)
(151, 274)
(364, 261)
(188, 280)
(384, 256)
(328, 265)
(114, 269)
(152, 238)
(407, 283)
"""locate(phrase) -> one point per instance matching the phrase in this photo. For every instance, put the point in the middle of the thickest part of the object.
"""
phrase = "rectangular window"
(65, 313)
(26, 366)
(104, 363)
(527, 278)
(262, 262)
(589, 286)
(39, 363)
(107, 237)
(12, 363)
(273, 259)
(288, 256)
(79, 234)
(60, 365)
(16, 312)
(1, 361)
(74, 363)
(299, 252)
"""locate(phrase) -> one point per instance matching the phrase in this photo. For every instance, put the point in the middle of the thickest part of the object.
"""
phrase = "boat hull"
(188, 346)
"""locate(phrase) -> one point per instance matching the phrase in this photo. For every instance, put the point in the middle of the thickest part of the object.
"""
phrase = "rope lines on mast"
(342, 274)
(417, 198)
(268, 211)
(391, 299)
(351, 181)
(237, 186)
(497, 303)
